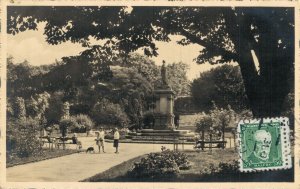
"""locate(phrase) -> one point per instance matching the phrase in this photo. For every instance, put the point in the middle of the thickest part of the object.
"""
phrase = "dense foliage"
(218, 120)
(76, 124)
(84, 122)
(108, 113)
(22, 138)
(223, 168)
(128, 89)
(222, 85)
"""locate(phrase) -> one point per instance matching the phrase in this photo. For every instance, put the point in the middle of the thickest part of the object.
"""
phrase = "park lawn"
(205, 161)
(45, 154)
(199, 161)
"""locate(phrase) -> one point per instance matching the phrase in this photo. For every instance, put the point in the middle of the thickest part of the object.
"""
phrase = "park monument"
(163, 128)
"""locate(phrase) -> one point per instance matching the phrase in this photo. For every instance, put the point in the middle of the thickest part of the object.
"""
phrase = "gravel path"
(76, 167)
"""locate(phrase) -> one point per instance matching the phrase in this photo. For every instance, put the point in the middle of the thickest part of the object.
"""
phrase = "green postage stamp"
(264, 144)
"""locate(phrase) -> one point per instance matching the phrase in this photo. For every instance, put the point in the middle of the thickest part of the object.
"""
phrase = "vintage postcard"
(149, 94)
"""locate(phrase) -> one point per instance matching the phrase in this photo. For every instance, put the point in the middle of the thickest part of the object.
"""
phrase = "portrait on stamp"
(262, 146)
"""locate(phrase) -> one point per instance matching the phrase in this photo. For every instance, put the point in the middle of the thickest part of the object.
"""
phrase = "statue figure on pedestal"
(164, 74)
(66, 110)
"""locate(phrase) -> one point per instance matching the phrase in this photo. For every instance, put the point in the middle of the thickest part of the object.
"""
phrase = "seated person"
(74, 139)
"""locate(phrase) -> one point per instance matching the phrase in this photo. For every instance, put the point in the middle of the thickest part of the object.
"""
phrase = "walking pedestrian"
(116, 140)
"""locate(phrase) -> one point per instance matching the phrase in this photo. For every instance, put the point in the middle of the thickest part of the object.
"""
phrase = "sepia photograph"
(150, 94)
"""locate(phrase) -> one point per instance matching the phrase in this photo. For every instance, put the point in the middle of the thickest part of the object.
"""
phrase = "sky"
(31, 46)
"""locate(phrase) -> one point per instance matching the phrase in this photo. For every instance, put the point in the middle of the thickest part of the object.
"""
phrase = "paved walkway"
(76, 167)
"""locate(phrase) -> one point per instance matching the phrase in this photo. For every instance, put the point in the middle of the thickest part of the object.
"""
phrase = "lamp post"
(233, 131)
(210, 140)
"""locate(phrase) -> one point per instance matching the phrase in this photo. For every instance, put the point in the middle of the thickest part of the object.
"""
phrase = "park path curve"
(77, 167)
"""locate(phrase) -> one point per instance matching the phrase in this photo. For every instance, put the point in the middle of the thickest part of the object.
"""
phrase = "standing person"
(98, 140)
(101, 139)
(116, 140)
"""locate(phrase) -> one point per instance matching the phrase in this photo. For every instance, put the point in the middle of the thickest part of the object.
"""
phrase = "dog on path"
(90, 150)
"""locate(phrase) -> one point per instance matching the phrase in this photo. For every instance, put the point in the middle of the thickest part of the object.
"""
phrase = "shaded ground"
(201, 162)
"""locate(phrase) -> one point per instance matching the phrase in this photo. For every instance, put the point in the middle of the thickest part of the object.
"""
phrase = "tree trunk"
(265, 92)
(202, 142)
(267, 89)
(223, 135)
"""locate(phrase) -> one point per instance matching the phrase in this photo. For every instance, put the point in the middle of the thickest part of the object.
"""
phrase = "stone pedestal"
(164, 127)
(163, 112)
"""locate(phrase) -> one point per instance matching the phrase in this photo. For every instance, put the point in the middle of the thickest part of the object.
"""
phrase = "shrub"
(22, 138)
(160, 164)
(84, 123)
(108, 113)
(210, 170)
(230, 167)
(223, 168)
(78, 123)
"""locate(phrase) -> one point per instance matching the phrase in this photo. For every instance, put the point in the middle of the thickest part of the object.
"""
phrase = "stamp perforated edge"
(285, 142)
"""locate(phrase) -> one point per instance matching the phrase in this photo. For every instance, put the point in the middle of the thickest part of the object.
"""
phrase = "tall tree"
(223, 86)
(228, 34)
(143, 64)
(18, 77)
(177, 78)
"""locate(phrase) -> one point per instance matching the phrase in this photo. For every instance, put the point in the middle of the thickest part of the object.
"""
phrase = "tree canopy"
(223, 86)
(127, 85)
(227, 34)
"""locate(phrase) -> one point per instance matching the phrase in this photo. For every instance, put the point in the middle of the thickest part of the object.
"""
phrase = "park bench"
(58, 141)
(178, 142)
(66, 141)
(48, 140)
(202, 144)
